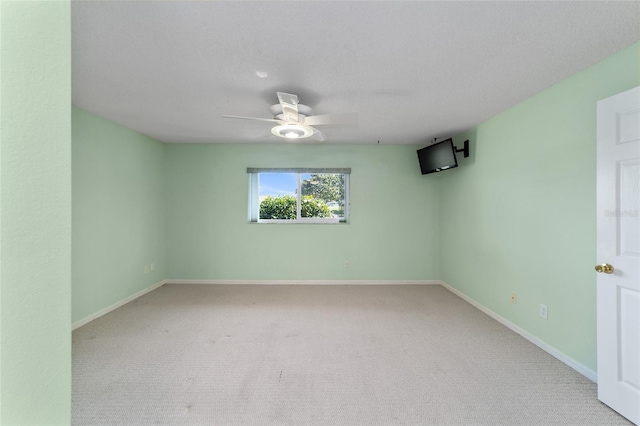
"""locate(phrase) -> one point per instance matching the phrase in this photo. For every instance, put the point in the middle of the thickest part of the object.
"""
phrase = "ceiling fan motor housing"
(303, 111)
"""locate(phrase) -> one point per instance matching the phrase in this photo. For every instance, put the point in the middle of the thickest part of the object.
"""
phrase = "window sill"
(301, 222)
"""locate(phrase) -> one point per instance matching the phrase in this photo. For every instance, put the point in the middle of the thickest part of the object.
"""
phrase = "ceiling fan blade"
(270, 120)
(319, 135)
(346, 119)
(289, 104)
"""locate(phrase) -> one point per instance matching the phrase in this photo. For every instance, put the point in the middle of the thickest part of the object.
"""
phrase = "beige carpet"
(322, 355)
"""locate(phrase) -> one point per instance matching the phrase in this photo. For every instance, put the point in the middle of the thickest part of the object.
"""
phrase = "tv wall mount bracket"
(465, 149)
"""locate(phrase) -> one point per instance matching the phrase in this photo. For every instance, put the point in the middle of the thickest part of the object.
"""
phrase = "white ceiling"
(413, 71)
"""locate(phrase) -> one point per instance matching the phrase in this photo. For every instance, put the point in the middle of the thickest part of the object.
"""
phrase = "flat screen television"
(437, 157)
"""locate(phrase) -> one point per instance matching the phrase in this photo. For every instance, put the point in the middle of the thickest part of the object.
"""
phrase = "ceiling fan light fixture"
(292, 131)
(292, 134)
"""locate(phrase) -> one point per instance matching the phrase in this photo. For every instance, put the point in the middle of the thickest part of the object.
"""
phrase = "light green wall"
(521, 216)
(393, 232)
(35, 212)
(119, 212)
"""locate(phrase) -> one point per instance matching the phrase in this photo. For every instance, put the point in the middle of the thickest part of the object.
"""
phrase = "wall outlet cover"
(543, 311)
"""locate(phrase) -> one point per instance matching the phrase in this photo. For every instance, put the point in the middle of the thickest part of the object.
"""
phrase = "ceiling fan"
(294, 120)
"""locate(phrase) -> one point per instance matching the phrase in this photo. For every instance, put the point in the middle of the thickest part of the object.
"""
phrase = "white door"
(619, 253)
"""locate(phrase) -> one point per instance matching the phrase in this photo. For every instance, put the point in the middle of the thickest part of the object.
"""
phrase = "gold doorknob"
(605, 267)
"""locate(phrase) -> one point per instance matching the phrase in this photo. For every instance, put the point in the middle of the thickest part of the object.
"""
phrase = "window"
(298, 195)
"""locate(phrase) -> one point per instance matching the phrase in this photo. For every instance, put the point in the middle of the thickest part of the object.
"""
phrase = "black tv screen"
(437, 157)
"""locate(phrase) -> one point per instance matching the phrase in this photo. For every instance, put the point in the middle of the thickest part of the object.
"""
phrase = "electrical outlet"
(153, 266)
(146, 269)
(513, 298)
(346, 263)
(543, 311)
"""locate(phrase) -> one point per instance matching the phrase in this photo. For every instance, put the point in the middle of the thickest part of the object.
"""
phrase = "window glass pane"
(277, 195)
(297, 195)
(322, 195)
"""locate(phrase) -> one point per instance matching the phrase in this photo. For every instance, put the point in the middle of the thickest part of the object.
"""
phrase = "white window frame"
(254, 195)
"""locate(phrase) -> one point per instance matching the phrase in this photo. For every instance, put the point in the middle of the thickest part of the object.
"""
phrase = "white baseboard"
(307, 282)
(582, 369)
(116, 305)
